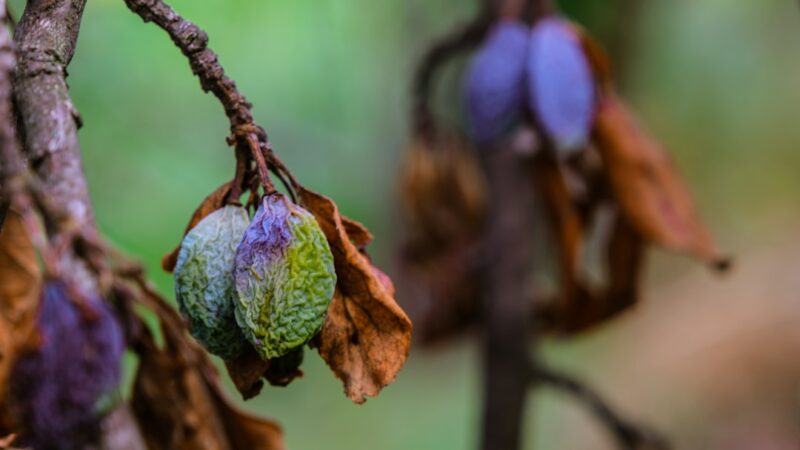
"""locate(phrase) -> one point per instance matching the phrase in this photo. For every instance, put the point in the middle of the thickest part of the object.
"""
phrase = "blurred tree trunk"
(507, 255)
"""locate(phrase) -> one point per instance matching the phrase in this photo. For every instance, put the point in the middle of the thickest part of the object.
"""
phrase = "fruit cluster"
(265, 283)
(542, 71)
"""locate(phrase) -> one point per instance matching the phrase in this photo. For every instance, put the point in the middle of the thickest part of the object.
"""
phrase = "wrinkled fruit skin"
(561, 87)
(494, 87)
(55, 389)
(204, 280)
(284, 278)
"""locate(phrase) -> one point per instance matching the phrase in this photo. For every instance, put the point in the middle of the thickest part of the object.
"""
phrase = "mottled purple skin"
(56, 388)
(268, 236)
(494, 86)
(561, 88)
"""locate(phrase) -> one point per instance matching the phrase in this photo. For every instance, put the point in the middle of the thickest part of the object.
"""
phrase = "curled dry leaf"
(248, 370)
(579, 307)
(213, 202)
(443, 193)
(647, 185)
(20, 285)
(564, 219)
(366, 337)
(177, 399)
(443, 297)
(358, 233)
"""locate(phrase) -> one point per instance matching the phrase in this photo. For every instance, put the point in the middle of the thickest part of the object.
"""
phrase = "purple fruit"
(561, 88)
(55, 389)
(494, 87)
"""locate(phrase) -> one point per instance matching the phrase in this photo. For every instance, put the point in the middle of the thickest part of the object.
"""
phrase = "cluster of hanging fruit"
(265, 283)
(538, 85)
(255, 291)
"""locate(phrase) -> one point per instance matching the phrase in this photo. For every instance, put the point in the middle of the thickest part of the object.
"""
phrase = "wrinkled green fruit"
(204, 280)
(284, 278)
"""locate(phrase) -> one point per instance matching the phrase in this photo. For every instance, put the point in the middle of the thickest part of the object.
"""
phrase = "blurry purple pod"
(494, 84)
(56, 388)
(561, 88)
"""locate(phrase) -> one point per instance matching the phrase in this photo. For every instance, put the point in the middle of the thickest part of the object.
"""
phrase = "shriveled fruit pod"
(204, 280)
(561, 87)
(284, 278)
(55, 389)
(494, 86)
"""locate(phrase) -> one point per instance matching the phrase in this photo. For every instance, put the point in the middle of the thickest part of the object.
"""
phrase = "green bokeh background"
(717, 80)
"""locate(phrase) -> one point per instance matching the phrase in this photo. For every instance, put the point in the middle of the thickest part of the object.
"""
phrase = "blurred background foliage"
(717, 80)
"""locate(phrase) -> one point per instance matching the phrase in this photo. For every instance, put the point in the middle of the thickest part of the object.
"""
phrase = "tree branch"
(45, 38)
(462, 38)
(11, 163)
(628, 435)
(249, 137)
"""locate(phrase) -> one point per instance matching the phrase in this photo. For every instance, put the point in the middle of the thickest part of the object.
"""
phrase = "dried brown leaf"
(443, 297)
(647, 185)
(20, 284)
(565, 220)
(358, 233)
(177, 399)
(443, 194)
(213, 202)
(579, 307)
(366, 337)
(248, 371)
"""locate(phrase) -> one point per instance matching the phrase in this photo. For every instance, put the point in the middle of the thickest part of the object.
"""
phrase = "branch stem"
(629, 436)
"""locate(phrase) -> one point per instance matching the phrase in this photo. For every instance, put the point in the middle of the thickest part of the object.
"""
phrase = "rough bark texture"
(508, 256)
(45, 41)
(45, 38)
(11, 163)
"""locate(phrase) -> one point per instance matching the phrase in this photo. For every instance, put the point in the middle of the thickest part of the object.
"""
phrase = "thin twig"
(542, 8)
(460, 39)
(193, 43)
(628, 435)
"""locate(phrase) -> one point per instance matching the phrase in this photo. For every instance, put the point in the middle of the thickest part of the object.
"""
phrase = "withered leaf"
(20, 285)
(213, 202)
(443, 193)
(357, 232)
(588, 308)
(177, 399)
(366, 337)
(647, 185)
(564, 219)
(578, 307)
(443, 296)
(248, 370)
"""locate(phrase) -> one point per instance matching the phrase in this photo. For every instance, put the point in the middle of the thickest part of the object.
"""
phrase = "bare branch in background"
(629, 436)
